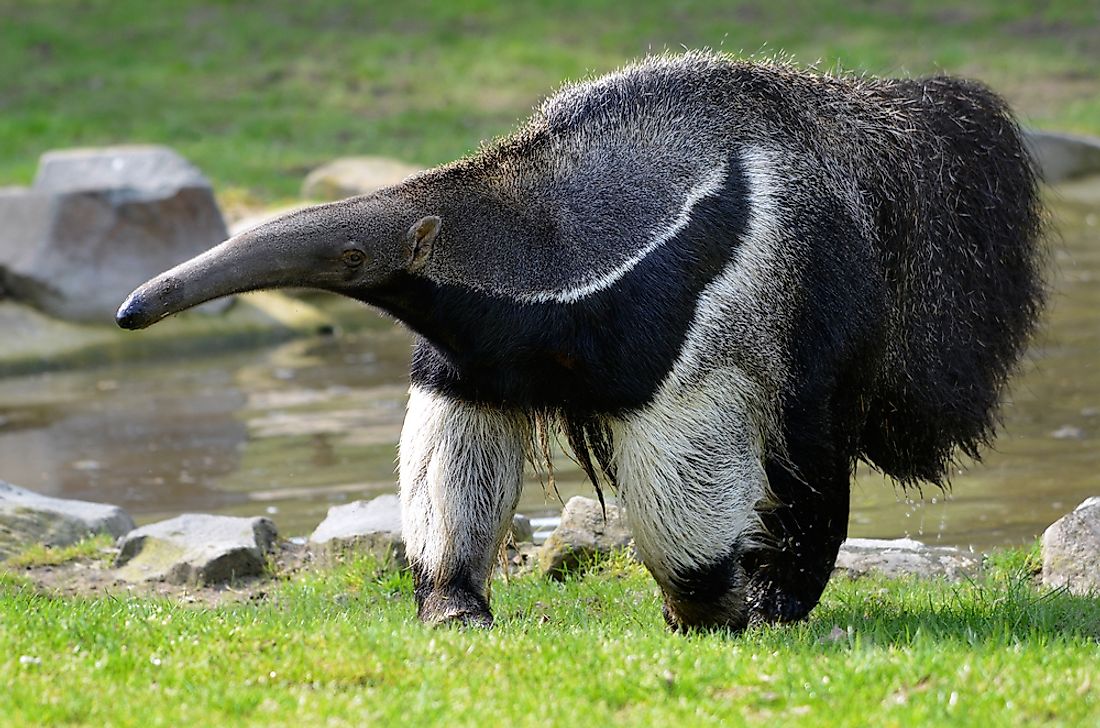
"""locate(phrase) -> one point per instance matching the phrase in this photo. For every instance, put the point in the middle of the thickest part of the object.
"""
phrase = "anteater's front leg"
(461, 471)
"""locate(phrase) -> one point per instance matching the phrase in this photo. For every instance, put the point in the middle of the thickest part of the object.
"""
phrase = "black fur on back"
(958, 222)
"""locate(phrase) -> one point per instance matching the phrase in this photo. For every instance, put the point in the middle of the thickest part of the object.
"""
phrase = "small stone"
(521, 529)
(583, 534)
(350, 176)
(28, 660)
(1071, 550)
(361, 526)
(904, 556)
(28, 518)
(196, 549)
(1068, 432)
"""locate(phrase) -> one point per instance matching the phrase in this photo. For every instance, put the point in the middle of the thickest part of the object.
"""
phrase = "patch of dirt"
(96, 578)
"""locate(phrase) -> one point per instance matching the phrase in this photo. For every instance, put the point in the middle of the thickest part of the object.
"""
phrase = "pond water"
(290, 430)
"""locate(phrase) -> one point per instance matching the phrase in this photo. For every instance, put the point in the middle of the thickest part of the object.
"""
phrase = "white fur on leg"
(461, 469)
(689, 473)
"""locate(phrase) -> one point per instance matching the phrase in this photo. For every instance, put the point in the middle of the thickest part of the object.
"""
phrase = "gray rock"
(902, 557)
(351, 176)
(583, 534)
(522, 532)
(1071, 550)
(99, 222)
(196, 549)
(27, 518)
(1064, 157)
(372, 526)
(139, 169)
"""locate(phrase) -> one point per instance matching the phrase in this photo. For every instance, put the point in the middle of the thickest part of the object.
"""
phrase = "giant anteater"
(725, 282)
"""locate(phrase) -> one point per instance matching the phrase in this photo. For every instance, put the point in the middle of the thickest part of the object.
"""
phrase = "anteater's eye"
(353, 258)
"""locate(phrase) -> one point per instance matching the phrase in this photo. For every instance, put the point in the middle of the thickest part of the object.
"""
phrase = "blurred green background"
(258, 93)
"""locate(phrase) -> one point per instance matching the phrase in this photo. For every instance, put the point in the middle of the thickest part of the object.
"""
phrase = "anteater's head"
(348, 247)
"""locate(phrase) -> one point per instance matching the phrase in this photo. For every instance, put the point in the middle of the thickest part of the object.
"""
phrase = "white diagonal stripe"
(708, 186)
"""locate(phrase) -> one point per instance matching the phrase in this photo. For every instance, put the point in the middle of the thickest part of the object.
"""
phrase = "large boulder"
(1071, 550)
(99, 222)
(27, 518)
(904, 557)
(137, 170)
(350, 176)
(1064, 157)
(196, 549)
(584, 533)
(372, 526)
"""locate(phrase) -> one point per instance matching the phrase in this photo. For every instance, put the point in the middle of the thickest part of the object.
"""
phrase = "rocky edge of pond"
(28, 518)
(196, 552)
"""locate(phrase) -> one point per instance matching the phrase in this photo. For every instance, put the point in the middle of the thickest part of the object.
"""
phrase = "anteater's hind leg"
(461, 471)
(805, 529)
(690, 475)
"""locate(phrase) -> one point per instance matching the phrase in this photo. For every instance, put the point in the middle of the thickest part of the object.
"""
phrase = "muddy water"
(291, 430)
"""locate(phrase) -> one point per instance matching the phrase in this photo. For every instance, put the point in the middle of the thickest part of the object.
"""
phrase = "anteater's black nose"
(131, 313)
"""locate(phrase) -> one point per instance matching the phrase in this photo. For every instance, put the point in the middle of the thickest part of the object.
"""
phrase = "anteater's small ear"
(420, 238)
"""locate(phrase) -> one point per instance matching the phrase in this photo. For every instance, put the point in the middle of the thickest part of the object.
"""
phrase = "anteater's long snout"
(218, 272)
(260, 258)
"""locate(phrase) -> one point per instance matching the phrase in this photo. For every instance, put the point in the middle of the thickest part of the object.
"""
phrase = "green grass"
(342, 647)
(259, 93)
(40, 555)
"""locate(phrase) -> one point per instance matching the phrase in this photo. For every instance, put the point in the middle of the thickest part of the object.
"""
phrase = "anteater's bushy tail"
(961, 232)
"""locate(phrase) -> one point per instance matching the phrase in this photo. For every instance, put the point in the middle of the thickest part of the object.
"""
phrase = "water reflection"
(125, 435)
(292, 429)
